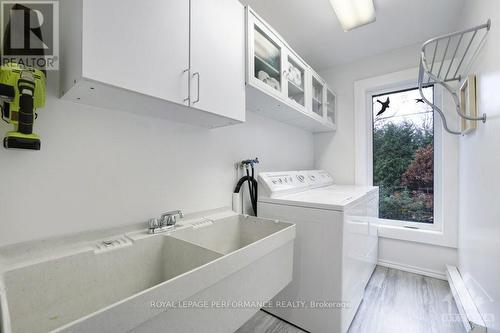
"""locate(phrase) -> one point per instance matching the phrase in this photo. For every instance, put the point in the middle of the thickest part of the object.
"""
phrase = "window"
(403, 155)
(443, 229)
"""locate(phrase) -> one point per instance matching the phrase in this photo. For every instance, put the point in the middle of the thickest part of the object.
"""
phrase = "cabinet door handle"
(197, 74)
(188, 98)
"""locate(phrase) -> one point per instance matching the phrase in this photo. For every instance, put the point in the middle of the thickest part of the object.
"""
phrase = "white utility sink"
(229, 235)
(50, 294)
(120, 287)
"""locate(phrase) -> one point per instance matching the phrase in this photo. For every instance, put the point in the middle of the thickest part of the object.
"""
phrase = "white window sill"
(424, 236)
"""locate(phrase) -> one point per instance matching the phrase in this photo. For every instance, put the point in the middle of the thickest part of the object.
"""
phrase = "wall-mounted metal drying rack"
(447, 60)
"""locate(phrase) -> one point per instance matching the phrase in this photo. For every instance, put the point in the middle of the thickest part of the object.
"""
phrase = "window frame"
(444, 231)
(437, 143)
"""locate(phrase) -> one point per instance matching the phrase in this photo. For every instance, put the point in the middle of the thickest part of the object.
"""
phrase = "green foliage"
(403, 168)
(406, 205)
(393, 147)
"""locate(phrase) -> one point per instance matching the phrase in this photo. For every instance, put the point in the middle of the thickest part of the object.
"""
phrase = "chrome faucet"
(167, 221)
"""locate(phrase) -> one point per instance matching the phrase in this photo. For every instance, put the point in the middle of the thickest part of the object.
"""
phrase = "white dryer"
(335, 247)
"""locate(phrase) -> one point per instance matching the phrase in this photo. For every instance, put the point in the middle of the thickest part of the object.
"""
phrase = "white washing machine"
(335, 248)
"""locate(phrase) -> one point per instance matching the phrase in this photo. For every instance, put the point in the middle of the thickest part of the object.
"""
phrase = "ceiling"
(312, 29)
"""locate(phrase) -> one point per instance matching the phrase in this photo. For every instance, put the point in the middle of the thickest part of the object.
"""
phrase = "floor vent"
(471, 318)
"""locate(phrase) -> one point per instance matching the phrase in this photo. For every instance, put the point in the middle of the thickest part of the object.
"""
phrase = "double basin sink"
(187, 280)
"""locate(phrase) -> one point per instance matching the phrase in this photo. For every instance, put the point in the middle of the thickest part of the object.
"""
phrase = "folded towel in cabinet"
(295, 75)
(274, 83)
(263, 76)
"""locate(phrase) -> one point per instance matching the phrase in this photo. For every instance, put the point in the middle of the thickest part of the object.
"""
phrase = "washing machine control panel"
(318, 178)
(281, 181)
(275, 183)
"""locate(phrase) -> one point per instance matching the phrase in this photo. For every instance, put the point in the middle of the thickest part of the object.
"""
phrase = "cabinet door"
(143, 46)
(266, 55)
(318, 96)
(295, 76)
(331, 107)
(218, 57)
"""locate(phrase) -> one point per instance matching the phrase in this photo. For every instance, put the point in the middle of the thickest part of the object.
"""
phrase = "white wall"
(416, 257)
(101, 168)
(335, 152)
(479, 167)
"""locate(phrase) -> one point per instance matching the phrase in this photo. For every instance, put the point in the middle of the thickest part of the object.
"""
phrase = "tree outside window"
(403, 155)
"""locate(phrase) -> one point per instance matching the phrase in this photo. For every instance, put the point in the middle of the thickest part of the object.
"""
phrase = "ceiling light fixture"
(354, 13)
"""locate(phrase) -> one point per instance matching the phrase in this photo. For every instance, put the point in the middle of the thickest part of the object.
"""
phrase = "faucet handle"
(153, 223)
(173, 213)
(170, 218)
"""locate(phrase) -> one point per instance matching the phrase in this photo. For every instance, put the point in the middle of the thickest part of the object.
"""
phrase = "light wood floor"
(394, 302)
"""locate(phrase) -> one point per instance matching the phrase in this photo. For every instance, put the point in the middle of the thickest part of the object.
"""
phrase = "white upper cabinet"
(318, 96)
(147, 54)
(156, 57)
(218, 57)
(266, 58)
(331, 107)
(280, 84)
(295, 80)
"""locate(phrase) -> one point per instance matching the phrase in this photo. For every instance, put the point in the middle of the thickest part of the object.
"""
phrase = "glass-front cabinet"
(331, 107)
(295, 80)
(280, 84)
(317, 96)
(267, 57)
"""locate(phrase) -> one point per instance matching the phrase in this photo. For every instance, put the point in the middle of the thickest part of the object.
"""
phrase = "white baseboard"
(412, 269)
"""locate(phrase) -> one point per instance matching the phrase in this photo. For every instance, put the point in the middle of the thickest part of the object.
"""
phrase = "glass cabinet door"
(317, 97)
(267, 59)
(295, 76)
(331, 105)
